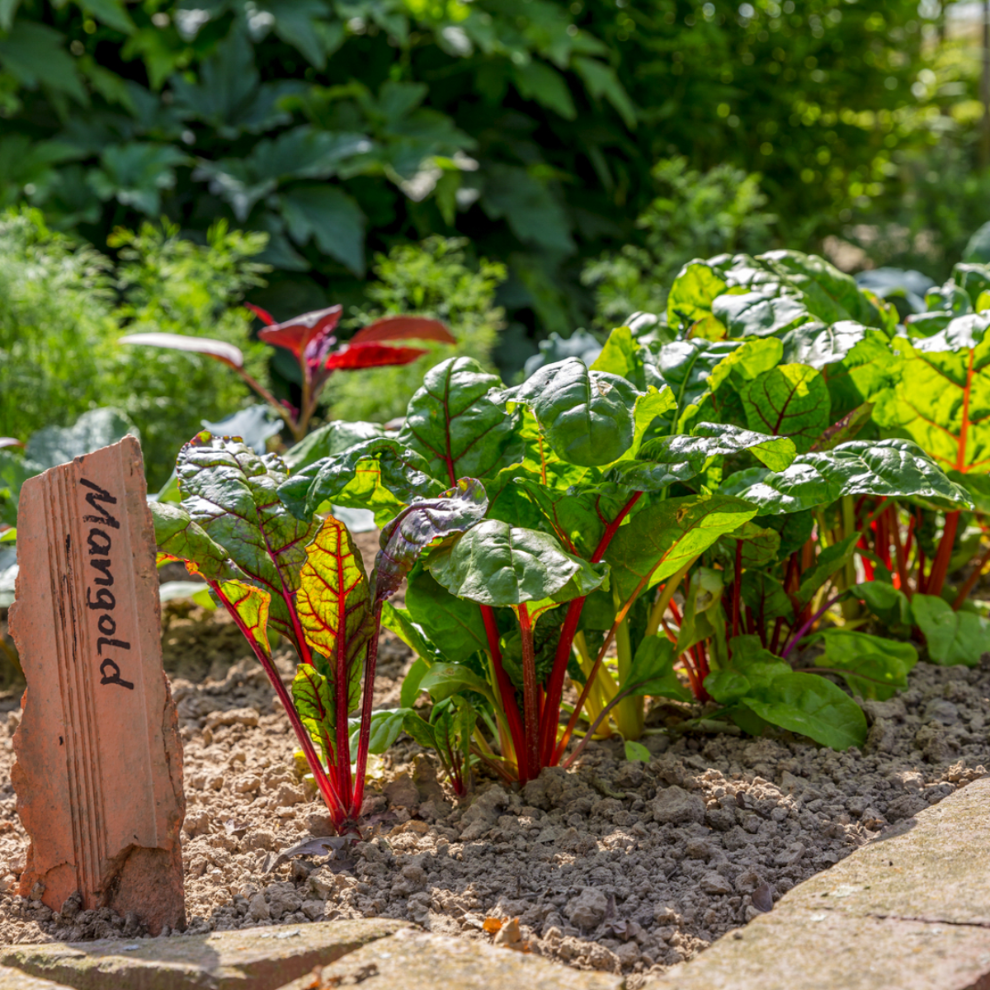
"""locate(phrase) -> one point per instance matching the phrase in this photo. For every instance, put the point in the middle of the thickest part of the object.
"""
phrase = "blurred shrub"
(435, 278)
(63, 306)
(341, 127)
(695, 215)
(171, 284)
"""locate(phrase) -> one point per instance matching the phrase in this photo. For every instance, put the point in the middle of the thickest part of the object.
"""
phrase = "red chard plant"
(306, 581)
(311, 342)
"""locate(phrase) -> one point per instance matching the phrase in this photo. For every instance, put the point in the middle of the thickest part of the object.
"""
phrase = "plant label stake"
(99, 763)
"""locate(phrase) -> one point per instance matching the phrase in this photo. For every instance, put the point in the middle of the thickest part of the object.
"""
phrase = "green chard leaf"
(625, 356)
(952, 637)
(443, 618)
(789, 400)
(663, 537)
(380, 474)
(230, 492)
(803, 703)
(872, 666)
(458, 425)
(497, 564)
(691, 296)
(587, 416)
(892, 468)
(419, 524)
(179, 538)
(652, 671)
(943, 394)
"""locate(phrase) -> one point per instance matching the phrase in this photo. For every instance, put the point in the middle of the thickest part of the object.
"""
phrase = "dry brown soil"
(614, 865)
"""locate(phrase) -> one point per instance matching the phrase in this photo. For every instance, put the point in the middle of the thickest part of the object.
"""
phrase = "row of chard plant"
(712, 515)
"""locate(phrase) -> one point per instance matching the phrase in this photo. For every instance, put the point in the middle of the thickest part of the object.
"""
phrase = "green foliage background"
(529, 126)
(62, 308)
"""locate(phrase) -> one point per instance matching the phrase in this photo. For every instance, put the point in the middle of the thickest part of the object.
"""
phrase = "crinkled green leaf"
(625, 356)
(749, 361)
(790, 400)
(452, 623)
(444, 679)
(686, 366)
(872, 666)
(652, 671)
(456, 425)
(387, 724)
(587, 416)
(818, 346)
(806, 704)
(942, 400)
(680, 458)
(765, 596)
(419, 525)
(230, 491)
(952, 637)
(830, 294)
(892, 468)
(178, 536)
(328, 441)
(890, 605)
(691, 296)
(760, 545)
(497, 564)
(702, 617)
(663, 537)
(831, 560)
(380, 474)
(764, 312)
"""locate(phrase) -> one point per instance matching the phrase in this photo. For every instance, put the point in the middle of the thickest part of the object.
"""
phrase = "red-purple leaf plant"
(305, 580)
(311, 341)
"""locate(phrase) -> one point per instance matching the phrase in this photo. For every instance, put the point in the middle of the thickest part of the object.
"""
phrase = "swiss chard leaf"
(314, 701)
(764, 312)
(691, 296)
(626, 357)
(497, 564)
(334, 610)
(652, 671)
(893, 468)
(818, 346)
(952, 637)
(943, 394)
(419, 524)
(683, 457)
(380, 474)
(587, 416)
(871, 666)
(443, 618)
(251, 605)
(456, 425)
(663, 537)
(230, 492)
(328, 441)
(890, 605)
(790, 400)
(806, 704)
(177, 536)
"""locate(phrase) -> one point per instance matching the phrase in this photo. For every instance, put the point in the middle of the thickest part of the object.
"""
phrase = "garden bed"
(615, 865)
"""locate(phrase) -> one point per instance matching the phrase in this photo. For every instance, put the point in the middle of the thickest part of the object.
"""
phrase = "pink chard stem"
(330, 796)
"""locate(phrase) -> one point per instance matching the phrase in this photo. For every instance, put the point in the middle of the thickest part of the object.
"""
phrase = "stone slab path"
(13, 979)
(909, 911)
(250, 959)
(413, 960)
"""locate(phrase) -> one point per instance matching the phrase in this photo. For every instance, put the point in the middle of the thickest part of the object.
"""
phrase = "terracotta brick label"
(99, 763)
